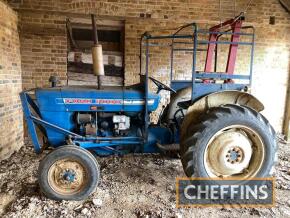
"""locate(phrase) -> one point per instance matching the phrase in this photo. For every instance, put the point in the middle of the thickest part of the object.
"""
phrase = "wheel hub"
(67, 176)
(234, 155)
(229, 153)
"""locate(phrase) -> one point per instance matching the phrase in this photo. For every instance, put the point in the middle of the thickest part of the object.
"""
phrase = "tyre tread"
(188, 150)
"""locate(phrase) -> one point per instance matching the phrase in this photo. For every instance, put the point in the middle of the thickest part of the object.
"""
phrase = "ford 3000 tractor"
(218, 132)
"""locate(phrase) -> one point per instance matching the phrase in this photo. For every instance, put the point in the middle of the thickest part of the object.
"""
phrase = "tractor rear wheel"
(68, 173)
(230, 141)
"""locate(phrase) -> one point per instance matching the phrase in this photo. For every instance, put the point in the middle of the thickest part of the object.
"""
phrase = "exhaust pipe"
(97, 54)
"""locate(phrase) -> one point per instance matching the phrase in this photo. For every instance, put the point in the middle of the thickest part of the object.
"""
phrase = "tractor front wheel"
(230, 141)
(68, 173)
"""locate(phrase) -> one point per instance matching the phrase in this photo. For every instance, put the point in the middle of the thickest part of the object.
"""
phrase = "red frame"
(236, 25)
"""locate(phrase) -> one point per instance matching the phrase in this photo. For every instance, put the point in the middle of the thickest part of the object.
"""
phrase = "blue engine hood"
(71, 98)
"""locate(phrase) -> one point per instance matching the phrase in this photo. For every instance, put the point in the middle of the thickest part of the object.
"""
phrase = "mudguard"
(217, 99)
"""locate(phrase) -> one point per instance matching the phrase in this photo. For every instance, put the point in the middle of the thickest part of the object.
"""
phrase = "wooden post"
(286, 130)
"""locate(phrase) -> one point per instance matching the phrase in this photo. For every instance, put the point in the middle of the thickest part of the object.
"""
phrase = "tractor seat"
(138, 86)
(184, 104)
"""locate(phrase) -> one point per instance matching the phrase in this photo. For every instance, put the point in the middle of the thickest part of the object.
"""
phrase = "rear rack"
(203, 82)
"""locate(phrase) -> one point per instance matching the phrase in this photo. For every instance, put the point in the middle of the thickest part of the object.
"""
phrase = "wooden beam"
(99, 22)
(110, 58)
(89, 26)
(107, 46)
(286, 4)
(287, 111)
(69, 30)
(90, 79)
(286, 123)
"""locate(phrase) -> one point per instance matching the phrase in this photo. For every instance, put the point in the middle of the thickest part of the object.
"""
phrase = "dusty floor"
(131, 186)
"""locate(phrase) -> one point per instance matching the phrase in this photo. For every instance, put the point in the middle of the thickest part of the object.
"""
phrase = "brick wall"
(43, 48)
(11, 123)
(272, 51)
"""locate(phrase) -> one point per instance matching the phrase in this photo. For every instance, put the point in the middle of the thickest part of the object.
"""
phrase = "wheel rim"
(67, 177)
(235, 151)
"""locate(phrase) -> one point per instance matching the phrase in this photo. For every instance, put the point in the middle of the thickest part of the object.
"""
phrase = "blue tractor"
(212, 121)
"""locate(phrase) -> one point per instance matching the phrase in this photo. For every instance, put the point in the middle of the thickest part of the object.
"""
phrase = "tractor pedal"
(168, 147)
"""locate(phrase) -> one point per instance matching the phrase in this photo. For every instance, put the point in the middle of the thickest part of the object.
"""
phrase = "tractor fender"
(217, 99)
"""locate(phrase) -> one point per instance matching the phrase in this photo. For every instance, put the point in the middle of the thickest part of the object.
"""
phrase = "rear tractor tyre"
(230, 141)
(68, 173)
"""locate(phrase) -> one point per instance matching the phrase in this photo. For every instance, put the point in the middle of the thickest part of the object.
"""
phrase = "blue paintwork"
(124, 145)
(55, 106)
(52, 99)
(202, 89)
(59, 124)
(30, 124)
(57, 130)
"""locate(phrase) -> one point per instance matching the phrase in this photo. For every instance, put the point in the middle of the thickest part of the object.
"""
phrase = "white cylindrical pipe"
(98, 60)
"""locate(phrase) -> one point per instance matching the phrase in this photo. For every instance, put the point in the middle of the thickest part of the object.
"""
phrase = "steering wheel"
(161, 86)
